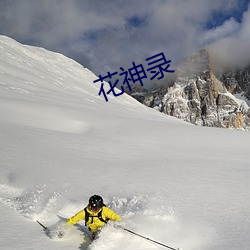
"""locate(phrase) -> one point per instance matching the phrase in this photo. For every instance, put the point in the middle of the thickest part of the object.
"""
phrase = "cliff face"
(201, 97)
(237, 81)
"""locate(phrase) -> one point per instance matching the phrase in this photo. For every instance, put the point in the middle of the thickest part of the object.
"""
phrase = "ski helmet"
(95, 202)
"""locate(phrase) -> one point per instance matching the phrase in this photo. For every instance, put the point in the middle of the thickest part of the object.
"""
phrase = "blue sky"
(218, 17)
(105, 35)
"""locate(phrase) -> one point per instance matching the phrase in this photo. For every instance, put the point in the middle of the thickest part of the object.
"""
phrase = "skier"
(95, 214)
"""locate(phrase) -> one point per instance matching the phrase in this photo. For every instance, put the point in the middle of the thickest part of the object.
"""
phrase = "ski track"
(144, 214)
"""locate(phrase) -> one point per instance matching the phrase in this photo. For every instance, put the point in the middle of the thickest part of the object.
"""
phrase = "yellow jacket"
(94, 223)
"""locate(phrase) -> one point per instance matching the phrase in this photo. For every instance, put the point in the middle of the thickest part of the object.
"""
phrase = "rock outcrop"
(202, 97)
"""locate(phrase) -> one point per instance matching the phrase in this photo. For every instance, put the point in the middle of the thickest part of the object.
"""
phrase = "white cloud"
(228, 28)
(233, 50)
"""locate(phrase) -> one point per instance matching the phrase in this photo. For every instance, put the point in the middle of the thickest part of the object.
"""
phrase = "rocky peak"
(196, 64)
(201, 97)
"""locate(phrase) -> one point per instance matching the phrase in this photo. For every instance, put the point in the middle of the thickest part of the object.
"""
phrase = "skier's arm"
(110, 214)
(77, 217)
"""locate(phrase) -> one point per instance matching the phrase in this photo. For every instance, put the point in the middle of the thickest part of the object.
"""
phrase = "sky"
(106, 35)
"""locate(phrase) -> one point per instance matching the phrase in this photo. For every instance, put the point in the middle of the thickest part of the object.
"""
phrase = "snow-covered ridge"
(35, 74)
(35, 67)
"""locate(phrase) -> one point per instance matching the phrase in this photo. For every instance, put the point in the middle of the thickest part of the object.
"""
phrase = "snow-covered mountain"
(182, 185)
(203, 95)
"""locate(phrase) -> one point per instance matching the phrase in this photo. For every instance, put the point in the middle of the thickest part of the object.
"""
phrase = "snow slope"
(60, 142)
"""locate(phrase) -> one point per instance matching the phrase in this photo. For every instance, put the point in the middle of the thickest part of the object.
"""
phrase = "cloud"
(226, 29)
(104, 35)
(233, 49)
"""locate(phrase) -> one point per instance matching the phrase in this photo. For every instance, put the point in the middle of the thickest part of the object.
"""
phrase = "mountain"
(203, 96)
(60, 142)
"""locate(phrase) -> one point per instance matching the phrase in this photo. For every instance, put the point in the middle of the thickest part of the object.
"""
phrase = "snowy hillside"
(60, 142)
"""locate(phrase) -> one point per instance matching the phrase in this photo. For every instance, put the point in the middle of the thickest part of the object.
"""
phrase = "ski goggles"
(94, 208)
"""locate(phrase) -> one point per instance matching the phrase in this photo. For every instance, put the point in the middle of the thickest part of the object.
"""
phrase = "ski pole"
(45, 228)
(146, 238)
